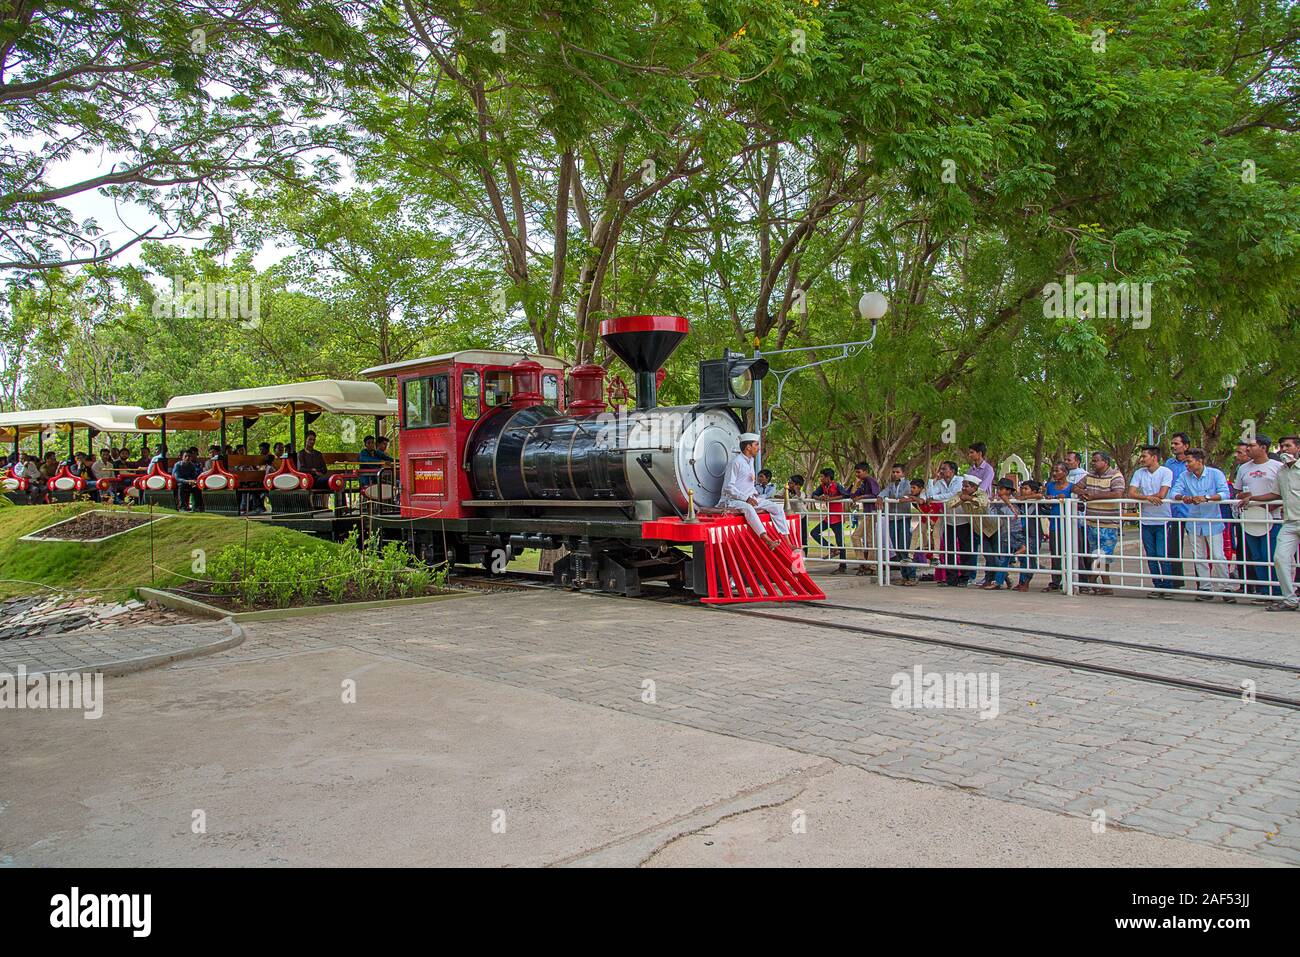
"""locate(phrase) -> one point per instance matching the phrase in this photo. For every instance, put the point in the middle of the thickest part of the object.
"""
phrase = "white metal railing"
(1218, 555)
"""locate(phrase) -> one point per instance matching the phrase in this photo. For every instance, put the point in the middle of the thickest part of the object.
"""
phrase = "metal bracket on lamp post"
(1195, 405)
(847, 351)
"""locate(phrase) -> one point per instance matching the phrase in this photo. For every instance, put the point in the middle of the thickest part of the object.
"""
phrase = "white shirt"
(1075, 476)
(738, 483)
(1150, 483)
(937, 490)
(1259, 479)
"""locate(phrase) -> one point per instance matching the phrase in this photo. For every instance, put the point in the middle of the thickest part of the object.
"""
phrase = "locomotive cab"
(442, 399)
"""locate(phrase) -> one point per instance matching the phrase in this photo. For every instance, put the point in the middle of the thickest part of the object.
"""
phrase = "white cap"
(973, 479)
(748, 437)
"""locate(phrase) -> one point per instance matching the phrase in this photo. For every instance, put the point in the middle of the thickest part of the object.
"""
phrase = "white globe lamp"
(873, 306)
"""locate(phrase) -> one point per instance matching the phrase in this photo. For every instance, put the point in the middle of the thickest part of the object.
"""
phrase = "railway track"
(1280, 674)
(819, 615)
(484, 581)
(1065, 636)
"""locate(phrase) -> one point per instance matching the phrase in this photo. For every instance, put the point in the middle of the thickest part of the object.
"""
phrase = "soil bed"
(89, 526)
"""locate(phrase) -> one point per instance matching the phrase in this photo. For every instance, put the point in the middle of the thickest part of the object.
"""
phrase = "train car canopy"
(202, 411)
(100, 418)
(479, 357)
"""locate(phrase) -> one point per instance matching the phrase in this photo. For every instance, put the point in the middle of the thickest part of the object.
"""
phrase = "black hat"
(1007, 484)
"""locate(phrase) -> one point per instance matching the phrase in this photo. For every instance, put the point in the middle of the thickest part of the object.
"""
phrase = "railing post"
(1068, 529)
(881, 515)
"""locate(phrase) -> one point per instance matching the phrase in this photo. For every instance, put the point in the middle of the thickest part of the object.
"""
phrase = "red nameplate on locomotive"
(430, 476)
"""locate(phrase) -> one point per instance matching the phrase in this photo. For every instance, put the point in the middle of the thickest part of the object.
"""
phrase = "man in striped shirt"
(1100, 490)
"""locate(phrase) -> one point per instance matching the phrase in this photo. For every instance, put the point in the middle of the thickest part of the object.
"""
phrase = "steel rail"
(1087, 639)
(1067, 663)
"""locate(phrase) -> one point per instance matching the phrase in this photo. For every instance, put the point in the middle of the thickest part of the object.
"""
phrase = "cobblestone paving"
(1159, 759)
(1267, 677)
(1244, 630)
(117, 651)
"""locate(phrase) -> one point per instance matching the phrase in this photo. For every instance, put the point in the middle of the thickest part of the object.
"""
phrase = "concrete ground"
(519, 729)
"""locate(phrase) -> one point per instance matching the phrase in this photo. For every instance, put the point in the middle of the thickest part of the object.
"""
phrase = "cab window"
(469, 395)
(496, 388)
(426, 402)
(415, 403)
(550, 389)
(440, 402)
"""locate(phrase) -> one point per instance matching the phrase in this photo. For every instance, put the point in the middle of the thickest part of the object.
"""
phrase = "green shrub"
(282, 574)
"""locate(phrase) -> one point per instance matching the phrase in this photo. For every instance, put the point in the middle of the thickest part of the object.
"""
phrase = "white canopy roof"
(340, 396)
(101, 418)
(480, 357)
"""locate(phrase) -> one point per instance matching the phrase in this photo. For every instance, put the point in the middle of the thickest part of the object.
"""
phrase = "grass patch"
(528, 561)
(120, 564)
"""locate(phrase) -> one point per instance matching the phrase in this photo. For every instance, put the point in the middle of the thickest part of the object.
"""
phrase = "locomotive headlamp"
(730, 380)
(743, 372)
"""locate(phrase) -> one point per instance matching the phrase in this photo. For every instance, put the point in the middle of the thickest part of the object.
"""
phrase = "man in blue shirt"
(1057, 487)
(372, 459)
(1200, 489)
(186, 473)
(899, 495)
(368, 461)
(1177, 465)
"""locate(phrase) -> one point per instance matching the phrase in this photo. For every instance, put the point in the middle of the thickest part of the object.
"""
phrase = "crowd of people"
(186, 468)
(268, 459)
(39, 471)
(1223, 534)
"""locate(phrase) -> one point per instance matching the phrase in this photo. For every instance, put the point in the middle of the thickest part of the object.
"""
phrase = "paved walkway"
(263, 755)
(117, 651)
(1162, 760)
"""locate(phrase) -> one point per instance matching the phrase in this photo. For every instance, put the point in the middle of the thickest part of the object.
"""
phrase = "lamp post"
(1229, 383)
(872, 307)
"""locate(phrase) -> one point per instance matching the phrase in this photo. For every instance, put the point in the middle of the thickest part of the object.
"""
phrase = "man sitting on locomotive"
(738, 491)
